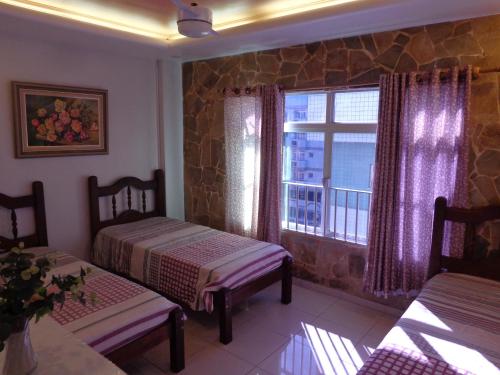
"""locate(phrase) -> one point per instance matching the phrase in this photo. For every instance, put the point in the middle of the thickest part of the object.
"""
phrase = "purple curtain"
(269, 218)
(422, 153)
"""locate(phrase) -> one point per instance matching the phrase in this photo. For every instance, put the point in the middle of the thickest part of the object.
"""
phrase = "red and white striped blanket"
(123, 312)
(184, 260)
(453, 327)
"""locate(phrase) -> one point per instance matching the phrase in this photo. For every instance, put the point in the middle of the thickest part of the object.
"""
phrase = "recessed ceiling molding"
(271, 10)
(58, 11)
(344, 19)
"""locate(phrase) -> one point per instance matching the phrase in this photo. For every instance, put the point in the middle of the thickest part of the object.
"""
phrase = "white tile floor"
(316, 334)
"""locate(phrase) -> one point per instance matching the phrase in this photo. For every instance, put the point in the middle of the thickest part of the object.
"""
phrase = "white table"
(60, 352)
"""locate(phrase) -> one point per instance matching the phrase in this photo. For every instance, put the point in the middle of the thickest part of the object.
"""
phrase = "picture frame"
(53, 120)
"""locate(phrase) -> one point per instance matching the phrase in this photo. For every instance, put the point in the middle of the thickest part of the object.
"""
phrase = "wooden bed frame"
(172, 328)
(471, 264)
(37, 203)
(224, 299)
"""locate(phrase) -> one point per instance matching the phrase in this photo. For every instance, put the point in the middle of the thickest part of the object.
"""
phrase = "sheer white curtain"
(242, 123)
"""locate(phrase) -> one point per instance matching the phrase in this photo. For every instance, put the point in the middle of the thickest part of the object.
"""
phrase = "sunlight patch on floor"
(333, 353)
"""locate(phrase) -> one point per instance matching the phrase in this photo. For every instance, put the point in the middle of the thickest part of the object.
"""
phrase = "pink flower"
(53, 289)
(59, 126)
(75, 112)
(65, 118)
(35, 123)
(76, 126)
(36, 297)
(49, 124)
(69, 137)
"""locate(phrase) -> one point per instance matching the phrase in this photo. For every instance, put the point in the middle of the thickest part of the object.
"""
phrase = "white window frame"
(328, 128)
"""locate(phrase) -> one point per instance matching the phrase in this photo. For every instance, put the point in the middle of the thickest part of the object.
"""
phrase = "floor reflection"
(318, 351)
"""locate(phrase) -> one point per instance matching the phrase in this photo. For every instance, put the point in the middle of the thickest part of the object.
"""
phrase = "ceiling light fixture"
(193, 20)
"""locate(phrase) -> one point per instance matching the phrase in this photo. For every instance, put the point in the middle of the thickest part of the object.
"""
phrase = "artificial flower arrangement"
(66, 123)
(26, 292)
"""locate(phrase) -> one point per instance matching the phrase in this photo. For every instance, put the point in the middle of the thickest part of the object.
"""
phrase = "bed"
(193, 265)
(453, 326)
(127, 319)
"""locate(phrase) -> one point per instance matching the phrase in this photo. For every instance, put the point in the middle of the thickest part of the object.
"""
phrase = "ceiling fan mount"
(194, 20)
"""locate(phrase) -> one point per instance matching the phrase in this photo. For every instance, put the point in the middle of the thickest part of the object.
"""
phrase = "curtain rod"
(491, 70)
(476, 72)
(445, 73)
(329, 87)
(247, 90)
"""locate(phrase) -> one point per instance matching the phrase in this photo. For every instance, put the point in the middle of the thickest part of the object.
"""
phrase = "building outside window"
(328, 193)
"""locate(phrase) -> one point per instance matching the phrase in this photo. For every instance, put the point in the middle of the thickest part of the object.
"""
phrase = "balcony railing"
(343, 214)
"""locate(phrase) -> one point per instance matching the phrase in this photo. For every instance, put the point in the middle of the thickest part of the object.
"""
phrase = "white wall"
(171, 123)
(133, 130)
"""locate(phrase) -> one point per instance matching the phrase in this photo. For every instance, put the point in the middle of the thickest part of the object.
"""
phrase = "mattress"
(123, 312)
(185, 261)
(453, 327)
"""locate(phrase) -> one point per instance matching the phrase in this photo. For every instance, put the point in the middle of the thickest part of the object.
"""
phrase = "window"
(328, 193)
(306, 108)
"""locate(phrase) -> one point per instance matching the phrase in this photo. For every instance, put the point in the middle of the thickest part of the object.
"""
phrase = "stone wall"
(341, 62)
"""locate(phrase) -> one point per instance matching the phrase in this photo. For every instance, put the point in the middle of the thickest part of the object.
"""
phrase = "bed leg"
(224, 305)
(286, 281)
(176, 340)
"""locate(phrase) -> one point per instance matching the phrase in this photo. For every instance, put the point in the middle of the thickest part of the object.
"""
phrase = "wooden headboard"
(35, 201)
(488, 267)
(157, 185)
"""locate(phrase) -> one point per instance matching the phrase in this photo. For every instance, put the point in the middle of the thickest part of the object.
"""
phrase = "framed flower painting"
(59, 120)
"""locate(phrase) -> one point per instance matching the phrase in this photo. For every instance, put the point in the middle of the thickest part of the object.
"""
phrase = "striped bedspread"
(123, 312)
(453, 327)
(184, 260)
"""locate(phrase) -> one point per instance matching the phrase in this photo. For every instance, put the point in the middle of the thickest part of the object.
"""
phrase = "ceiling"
(243, 25)
(157, 18)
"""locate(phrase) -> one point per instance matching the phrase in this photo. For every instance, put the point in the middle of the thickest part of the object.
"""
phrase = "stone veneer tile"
(369, 44)
(390, 57)
(422, 48)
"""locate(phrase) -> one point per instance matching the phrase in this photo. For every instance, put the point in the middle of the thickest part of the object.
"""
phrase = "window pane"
(355, 107)
(302, 181)
(353, 157)
(305, 108)
(303, 157)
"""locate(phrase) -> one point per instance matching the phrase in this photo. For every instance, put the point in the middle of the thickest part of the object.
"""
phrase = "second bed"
(199, 267)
